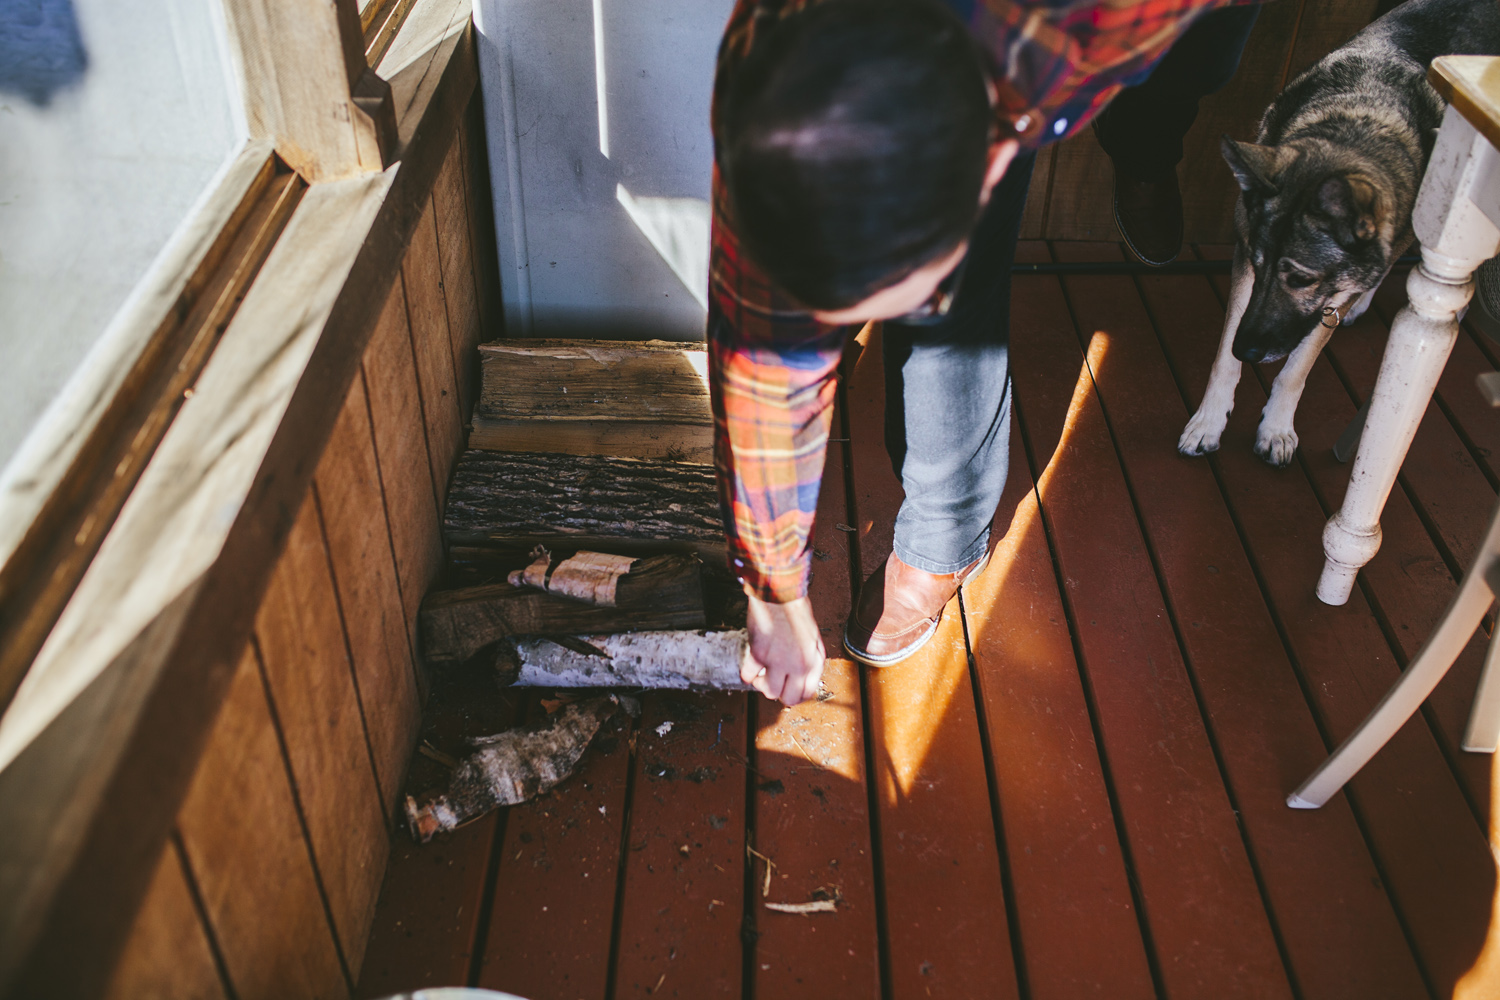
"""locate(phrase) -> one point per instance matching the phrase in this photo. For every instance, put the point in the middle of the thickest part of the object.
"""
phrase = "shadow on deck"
(1077, 788)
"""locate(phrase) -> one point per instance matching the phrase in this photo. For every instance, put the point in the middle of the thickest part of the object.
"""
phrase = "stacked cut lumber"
(509, 502)
(632, 399)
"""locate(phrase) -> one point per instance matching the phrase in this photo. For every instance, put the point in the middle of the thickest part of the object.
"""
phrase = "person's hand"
(785, 657)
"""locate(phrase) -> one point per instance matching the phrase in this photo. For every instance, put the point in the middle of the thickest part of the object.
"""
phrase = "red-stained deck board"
(1430, 852)
(683, 902)
(1062, 846)
(947, 930)
(1338, 928)
(554, 902)
(812, 806)
(1207, 922)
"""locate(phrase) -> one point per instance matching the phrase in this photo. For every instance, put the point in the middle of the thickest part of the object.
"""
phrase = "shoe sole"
(892, 659)
(1130, 245)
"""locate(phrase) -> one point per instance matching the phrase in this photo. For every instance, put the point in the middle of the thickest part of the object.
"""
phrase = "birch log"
(685, 660)
(515, 766)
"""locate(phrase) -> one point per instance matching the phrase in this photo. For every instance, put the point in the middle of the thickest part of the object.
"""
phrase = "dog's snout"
(1254, 355)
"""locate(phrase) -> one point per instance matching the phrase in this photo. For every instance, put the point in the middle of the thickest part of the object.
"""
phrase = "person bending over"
(871, 162)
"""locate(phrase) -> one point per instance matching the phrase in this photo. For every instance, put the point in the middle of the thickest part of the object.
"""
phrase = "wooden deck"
(1077, 788)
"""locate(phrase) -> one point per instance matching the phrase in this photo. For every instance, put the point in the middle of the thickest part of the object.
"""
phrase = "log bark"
(659, 592)
(684, 660)
(515, 500)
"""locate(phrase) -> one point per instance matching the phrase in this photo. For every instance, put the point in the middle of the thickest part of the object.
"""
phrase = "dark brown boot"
(899, 608)
(1149, 214)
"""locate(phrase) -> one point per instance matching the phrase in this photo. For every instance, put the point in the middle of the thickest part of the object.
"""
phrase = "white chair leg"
(1421, 339)
(1434, 659)
(1483, 731)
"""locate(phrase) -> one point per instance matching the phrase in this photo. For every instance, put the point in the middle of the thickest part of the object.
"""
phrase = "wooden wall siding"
(269, 884)
(1072, 190)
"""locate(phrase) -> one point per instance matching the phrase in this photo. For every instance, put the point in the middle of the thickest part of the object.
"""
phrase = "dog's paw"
(1276, 446)
(1202, 433)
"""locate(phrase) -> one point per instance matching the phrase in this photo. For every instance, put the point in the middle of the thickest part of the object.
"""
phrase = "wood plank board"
(351, 506)
(1406, 799)
(683, 893)
(246, 870)
(456, 257)
(812, 804)
(167, 955)
(427, 320)
(558, 870)
(941, 867)
(1336, 925)
(395, 410)
(617, 438)
(656, 380)
(1207, 923)
(321, 721)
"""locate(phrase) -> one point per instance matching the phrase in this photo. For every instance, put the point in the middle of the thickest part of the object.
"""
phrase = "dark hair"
(852, 143)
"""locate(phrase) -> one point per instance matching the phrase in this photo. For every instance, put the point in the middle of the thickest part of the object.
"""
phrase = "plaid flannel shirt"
(772, 367)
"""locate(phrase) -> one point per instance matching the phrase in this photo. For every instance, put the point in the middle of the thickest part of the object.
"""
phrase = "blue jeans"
(947, 398)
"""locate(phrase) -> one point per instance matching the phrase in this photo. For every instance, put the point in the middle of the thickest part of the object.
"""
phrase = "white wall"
(600, 158)
(95, 180)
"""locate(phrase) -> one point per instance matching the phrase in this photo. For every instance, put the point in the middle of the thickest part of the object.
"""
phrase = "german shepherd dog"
(1326, 201)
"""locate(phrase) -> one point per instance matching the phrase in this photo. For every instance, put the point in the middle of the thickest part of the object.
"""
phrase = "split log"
(518, 500)
(515, 766)
(634, 399)
(659, 592)
(676, 660)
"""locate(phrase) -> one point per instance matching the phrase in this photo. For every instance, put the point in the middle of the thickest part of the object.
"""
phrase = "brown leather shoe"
(899, 608)
(1149, 214)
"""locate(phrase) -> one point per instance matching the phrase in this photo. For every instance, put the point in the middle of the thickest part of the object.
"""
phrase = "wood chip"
(816, 906)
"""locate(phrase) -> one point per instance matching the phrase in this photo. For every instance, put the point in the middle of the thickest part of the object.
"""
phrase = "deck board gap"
(867, 721)
(749, 930)
(291, 777)
(617, 918)
(1007, 879)
(481, 932)
(1137, 897)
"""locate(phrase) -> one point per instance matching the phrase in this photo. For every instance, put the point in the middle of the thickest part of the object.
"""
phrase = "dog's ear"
(1350, 203)
(1257, 166)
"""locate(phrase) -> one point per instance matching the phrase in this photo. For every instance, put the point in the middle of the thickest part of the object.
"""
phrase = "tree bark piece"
(659, 592)
(519, 500)
(684, 660)
(590, 577)
(515, 766)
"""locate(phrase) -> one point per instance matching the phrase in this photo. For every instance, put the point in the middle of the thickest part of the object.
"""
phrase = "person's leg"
(1143, 127)
(948, 399)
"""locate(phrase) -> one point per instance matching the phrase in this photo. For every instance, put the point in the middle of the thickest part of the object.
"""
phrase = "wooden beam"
(62, 492)
(308, 88)
(176, 584)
